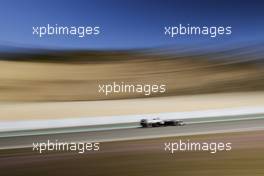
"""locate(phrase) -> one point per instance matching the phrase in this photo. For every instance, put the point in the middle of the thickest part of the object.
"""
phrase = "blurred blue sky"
(128, 24)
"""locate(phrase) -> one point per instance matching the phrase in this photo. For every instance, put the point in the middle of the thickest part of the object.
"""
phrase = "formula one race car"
(156, 122)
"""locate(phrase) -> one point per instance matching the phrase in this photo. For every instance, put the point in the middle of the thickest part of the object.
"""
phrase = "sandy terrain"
(48, 110)
(77, 78)
(65, 84)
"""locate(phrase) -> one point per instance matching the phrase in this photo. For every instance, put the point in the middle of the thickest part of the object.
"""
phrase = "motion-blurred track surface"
(135, 133)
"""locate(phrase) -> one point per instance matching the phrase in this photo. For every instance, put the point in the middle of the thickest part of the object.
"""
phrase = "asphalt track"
(135, 133)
